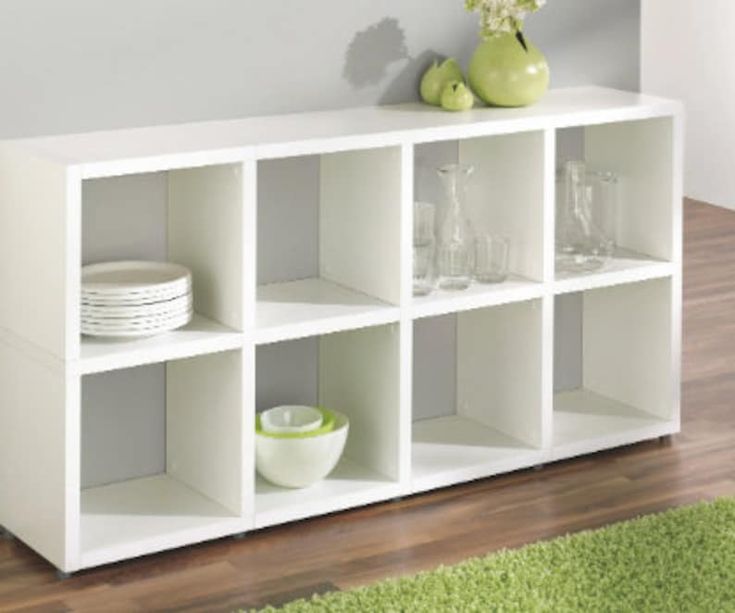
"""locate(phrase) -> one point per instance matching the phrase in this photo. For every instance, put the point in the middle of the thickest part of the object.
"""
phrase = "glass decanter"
(581, 245)
(454, 252)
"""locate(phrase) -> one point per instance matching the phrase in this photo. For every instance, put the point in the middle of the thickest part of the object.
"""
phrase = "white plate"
(149, 296)
(132, 322)
(172, 324)
(139, 297)
(154, 309)
(132, 299)
(134, 278)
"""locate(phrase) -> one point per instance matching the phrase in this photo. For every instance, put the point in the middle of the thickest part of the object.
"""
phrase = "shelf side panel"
(506, 194)
(627, 345)
(40, 210)
(39, 457)
(204, 426)
(359, 374)
(360, 221)
(499, 361)
(642, 153)
(205, 233)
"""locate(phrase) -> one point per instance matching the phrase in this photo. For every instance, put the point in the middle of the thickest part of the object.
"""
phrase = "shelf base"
(349, 485)
(454, 449)
(585, 422)
(142, 516)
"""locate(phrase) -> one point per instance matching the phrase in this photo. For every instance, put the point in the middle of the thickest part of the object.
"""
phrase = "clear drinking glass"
(424, 247)
(455, 237)
(491, 258)
(606, 188)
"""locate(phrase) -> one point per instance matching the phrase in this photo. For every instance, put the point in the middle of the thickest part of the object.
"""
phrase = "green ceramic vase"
(507, 70)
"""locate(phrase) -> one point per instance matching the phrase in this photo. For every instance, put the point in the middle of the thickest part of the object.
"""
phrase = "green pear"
(456, 96)
(437, 77)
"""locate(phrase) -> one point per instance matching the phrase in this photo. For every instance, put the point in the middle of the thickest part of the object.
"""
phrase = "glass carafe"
(581, 245)
(454, 253)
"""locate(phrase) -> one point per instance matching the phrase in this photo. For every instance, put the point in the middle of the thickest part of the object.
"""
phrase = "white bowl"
(288, 419)
(301, 462)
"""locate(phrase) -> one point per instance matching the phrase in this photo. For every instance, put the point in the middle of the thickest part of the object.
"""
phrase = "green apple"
(456, 96)
(437, 77)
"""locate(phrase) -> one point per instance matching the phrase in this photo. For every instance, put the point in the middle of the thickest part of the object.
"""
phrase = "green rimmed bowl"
(301, 459)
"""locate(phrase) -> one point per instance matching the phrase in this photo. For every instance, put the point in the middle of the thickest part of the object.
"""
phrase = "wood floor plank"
(447, 526)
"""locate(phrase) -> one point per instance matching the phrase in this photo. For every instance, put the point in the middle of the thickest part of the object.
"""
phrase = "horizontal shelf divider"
(514, 289)
(200, 337)
(118, 152)
(311, 307)
(625, 267)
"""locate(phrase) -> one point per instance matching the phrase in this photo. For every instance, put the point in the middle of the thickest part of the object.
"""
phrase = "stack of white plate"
(126, 299)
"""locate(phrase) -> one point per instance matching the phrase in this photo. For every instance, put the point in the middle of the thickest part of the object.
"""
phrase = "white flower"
(502, 16)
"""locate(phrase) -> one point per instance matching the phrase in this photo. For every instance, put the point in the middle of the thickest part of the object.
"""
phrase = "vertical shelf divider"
(249, 306)
(547, 317)
(406, 324)
(72, 379)
(677, 246)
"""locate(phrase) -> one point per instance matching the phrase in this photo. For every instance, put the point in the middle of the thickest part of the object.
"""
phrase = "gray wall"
(83, 65)
(77, 65)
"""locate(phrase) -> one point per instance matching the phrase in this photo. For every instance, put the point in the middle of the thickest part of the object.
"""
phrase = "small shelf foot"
(62, 575)
(665, 440)
(539, 467)
(239, 536)
(5, 534)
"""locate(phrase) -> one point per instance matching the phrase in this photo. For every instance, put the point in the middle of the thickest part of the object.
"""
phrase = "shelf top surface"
(277, 136)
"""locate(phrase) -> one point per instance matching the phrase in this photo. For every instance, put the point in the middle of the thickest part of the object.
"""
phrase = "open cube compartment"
(356, 373)
(615, 379)
(329, 238)
(477, 394)
(161, 459)
(641, 153)
(192, 217)
(505, 197)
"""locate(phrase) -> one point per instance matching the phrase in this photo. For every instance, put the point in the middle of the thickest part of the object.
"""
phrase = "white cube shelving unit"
(341, 329)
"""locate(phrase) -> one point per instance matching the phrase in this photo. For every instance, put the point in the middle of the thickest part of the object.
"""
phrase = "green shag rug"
(680, 560)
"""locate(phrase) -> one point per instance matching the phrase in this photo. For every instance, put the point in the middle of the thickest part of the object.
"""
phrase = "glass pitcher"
(581, 243)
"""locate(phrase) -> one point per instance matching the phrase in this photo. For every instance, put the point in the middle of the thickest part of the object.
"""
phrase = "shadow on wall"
(373, 51)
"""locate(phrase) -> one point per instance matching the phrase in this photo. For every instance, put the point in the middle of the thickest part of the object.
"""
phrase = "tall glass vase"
(454, 254)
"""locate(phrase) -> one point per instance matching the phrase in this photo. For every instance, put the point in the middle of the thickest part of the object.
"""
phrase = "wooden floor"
(422, 532)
